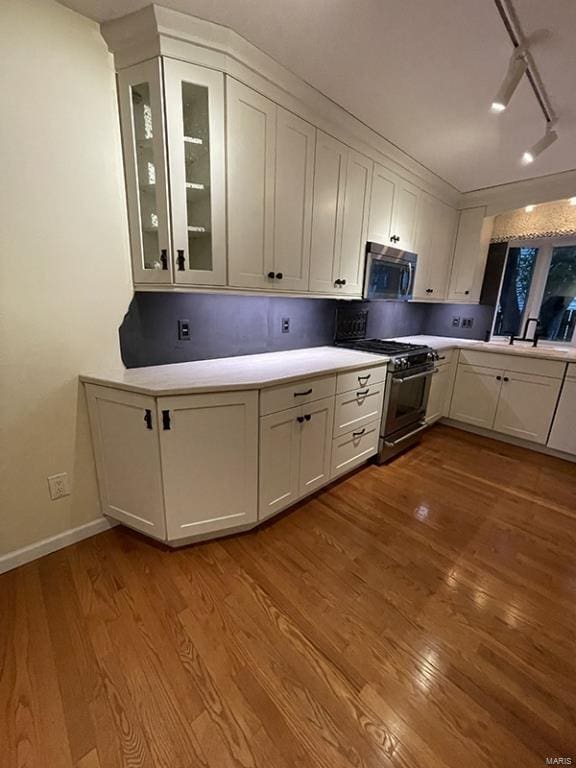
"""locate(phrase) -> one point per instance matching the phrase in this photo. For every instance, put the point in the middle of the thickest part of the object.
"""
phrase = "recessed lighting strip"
(512, 25)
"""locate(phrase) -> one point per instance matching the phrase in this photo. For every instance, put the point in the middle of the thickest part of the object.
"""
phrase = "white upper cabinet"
(342, 180)
(270, 180)
(470, 253)
(195, 135)
(251, 142)
(177, 230)
(393, 210)
(294, 180)
(141, 101)
(436, 230)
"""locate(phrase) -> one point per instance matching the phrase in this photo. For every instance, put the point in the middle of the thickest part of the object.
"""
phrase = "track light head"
(542, 144)
(516, 69)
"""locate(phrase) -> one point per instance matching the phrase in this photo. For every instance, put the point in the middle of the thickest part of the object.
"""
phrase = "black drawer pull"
(363, 380)
(362, 392)
(303, 394)
(148, 418)
(166, 420)
(359, 434)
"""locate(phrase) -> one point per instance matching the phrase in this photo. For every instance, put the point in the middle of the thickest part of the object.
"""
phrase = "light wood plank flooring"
(417, 615)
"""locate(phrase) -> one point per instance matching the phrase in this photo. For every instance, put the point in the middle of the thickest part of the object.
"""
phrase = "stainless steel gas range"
(408, 383)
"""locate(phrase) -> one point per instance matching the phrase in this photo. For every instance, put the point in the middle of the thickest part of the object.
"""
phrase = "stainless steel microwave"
(389, 273)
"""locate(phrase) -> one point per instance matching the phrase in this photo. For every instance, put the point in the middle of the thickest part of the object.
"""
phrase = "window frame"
(545, 246)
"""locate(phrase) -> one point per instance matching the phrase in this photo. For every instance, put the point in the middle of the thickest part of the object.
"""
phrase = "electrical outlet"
(58, 486)
(285, 325)
(184, 330)
(467, 322)
(455, 322)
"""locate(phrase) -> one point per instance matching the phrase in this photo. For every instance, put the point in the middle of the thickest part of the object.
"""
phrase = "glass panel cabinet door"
(141, 112)
(195, 130)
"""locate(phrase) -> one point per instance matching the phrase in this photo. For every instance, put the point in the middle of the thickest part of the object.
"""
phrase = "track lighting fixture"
(549, 138)
(516, 69)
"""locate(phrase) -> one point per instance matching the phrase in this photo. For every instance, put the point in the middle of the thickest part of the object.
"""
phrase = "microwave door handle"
(410, 277)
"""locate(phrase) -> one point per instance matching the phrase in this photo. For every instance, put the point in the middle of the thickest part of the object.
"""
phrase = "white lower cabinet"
(294, 454)
(354, 448)
(519, 403)
(475, 397)
(526, 406)
(441, 389)
(563, 433)
(179, 467)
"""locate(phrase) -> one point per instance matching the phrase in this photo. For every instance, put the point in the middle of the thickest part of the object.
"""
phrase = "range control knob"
(432, 356)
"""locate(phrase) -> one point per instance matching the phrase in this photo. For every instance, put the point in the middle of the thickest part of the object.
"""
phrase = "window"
(539, 284)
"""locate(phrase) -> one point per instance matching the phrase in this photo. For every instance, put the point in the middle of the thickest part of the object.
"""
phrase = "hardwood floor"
(417, 615)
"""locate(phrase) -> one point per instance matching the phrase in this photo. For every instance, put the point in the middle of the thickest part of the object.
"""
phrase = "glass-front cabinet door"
(195, 137)
(142, 116)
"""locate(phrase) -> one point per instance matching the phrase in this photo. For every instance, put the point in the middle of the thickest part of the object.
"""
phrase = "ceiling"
(420, 72)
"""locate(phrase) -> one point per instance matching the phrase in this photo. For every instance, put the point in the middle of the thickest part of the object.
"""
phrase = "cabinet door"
(315, 445)
(563, 434)
(444, 234)
(209, 449)
(196, 148)
(476, 394)
(354, 224)
(251, 142)
(279, 461)
(526, 407)
(127, 452)
(404, 213)
(142, 120)
(295, 147)
(440, 394)
(470, 253)
(435, 235)
(329, 185)
(381, 204)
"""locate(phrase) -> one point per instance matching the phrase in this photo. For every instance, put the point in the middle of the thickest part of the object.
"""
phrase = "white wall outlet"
(58, 486)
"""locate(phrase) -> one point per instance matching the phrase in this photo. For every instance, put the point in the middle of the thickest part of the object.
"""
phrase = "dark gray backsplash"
(227, 325)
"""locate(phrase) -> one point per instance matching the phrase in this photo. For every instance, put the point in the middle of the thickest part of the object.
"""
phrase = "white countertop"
(524, 349)
(234, 373)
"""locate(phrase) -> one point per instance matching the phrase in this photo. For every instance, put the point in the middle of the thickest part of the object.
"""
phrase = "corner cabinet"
(161, 461)
(172, 120)
(470, 254)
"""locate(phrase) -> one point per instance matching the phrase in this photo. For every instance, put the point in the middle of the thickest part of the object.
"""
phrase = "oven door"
(407, 398)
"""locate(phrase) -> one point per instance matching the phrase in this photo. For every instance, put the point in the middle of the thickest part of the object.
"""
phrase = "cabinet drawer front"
(357, 408)
(360, 378)
(517, 363)
(354, 448)
(285, 396)
(446, 356)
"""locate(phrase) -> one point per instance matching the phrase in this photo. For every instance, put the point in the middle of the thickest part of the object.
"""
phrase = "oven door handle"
(400, 380)
(393, 443)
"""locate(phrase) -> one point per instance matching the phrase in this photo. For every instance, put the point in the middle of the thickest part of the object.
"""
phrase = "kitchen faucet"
(524, 336)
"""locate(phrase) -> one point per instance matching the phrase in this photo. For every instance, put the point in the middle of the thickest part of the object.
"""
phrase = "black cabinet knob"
(466, 292)
(271, 275)
(279, 275)
(498, 378)
(307, 416)
(506, 378)
(300, 419)
(164, 258)
(180, 261)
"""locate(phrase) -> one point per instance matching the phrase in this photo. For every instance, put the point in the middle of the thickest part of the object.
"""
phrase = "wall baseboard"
(46, 546)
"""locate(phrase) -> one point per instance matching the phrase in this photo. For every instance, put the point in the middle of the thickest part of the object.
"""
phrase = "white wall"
(64, 265)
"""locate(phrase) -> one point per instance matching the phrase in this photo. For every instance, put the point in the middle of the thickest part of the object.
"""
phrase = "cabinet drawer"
(357, 408)
(362, 377)
(446, 356)
(285, 396)
(517, 363)
(354, 448)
